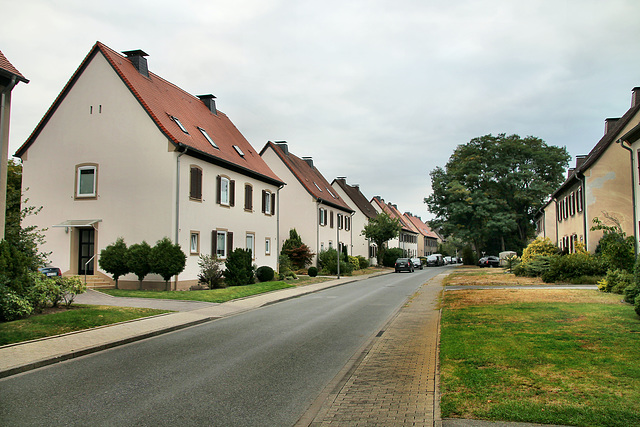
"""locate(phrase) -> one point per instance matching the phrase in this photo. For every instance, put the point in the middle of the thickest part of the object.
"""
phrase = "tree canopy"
(491, 188)
(380, 230)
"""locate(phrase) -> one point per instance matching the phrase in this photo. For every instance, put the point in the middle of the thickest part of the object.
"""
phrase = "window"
(347, 223)
(86, 181)
(195, 183)
(579, 199)
(195, 243)
(317, 186)
(572, 204)
(182, 128)
(221, 243)
(250, 245)
(207, 137)
(226, 189)
(248, 197)
(267, 246)
(322, 216)
(238, 150)
(340, 223)
(268, 202)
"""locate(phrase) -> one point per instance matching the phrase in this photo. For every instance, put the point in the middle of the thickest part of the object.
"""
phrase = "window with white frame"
(267, 202)
(221, 244)
(322, 216)
(195, 243)
(250, 245)
(267, 246)
(224, 190)
(86, 181)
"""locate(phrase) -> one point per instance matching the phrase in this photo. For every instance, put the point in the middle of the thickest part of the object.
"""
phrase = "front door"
(86, 247)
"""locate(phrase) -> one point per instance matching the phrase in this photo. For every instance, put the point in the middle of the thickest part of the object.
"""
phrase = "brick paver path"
(396, 382)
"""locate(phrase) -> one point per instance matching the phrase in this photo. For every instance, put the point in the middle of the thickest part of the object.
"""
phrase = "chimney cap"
(136, 52)
(207, 96)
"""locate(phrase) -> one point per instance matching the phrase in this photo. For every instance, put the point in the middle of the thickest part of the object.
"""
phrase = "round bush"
(313, 272)
(264, 273)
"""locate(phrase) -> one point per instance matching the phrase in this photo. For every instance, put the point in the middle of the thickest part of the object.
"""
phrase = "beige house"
(407, 240)
(364, 211)
(600, 185)
(123, 152)
(427, 239)
(631, 143)
(308, 202)
(9, 78)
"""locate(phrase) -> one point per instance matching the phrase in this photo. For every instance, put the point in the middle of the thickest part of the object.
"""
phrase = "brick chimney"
(610, 124)
(137, 58)
(283, 146)
(580, 160)
(309, 161)
(210, 101)
(635, 96)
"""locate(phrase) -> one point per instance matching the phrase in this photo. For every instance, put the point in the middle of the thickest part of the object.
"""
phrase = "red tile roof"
(309, 177)
(423, 228)
(354, 193)
(7, 68)
(393, 212)
(163, 100)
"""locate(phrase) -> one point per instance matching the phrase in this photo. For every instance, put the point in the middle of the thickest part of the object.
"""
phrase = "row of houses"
(603, 184)
(122, 152)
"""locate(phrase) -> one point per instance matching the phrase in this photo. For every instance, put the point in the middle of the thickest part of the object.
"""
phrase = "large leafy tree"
(491, 188)
(380, 230)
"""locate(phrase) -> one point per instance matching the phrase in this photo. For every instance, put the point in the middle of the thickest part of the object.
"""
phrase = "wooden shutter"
(229, 242)
(264, 201)
(248, 197)
(218, 189)
(232, 192)
(273, 204)
(195, 190)
(331, 219)
(214, 243)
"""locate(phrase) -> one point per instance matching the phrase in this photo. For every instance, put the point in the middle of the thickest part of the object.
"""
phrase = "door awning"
(80, 223)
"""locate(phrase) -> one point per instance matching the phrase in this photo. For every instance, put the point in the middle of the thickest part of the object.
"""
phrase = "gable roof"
(423, 228)
(609, 138)
(393, 212)
(7, 69)
(162, 101)
(309, 177)
(354, 193)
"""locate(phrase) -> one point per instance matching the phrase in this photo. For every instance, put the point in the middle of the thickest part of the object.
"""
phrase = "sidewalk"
(22, 357)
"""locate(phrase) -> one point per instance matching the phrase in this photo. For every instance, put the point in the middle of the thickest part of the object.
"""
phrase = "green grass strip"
(213, 295)
(79, 317)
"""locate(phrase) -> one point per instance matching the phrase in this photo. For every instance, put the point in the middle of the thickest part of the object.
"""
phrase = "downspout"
(556, 219)
(178, 198)
(278, 228)
(4, 144)
(583, 183)
(633, 194)
(317, 232)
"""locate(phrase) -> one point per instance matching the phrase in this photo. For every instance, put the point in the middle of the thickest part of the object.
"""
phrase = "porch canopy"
(80, 223)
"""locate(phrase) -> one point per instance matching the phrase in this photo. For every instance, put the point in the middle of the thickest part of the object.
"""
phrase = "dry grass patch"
(488, 277)
(477, 297)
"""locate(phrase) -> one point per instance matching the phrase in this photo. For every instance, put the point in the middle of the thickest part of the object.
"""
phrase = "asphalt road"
(261, 368)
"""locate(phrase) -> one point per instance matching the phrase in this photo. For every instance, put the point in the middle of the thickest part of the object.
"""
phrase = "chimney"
(635, 96)
(309, 161)
(137, 58)
(580, 160)
(570, 172)
(342, 179)
(210, 101)
(378, 198)
(609, 124)
(283, 146)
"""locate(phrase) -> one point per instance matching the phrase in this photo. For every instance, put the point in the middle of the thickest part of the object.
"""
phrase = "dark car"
(489, 261)
(417, 263)
(50, 271)
(404, 264)
(435, 260)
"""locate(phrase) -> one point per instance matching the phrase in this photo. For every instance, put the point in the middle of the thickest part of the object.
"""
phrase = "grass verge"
(212, 295)
(567, 357)
(76, 318)
(488, 277)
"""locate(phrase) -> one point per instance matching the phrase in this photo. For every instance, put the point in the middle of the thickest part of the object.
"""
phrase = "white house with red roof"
(308, 202)
(123, 152)
(407, 239)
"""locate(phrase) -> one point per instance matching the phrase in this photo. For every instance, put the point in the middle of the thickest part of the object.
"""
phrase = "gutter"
(182, 153)
(633, 194)
(278, 227)
(4, 144)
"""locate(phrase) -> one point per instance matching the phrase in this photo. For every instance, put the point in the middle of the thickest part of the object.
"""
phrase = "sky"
(379, 92)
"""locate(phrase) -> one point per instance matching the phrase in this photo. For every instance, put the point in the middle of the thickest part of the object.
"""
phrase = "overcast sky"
(378, 91)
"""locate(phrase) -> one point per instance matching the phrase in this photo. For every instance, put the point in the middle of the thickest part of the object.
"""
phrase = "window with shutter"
(248, 197)
(225, 192)
(229, 242)
(273, 204)
(331, 219)
(232, 193)
(195, 190)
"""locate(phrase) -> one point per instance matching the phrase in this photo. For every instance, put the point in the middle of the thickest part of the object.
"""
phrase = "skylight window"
(317, 186)
(331, 192)
(208, 138)
(238, 150)
(180, 125)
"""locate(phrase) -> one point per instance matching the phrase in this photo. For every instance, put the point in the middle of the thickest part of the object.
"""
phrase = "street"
(263, 367)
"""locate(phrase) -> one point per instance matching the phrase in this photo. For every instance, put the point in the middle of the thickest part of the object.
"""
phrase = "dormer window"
(207, 137)
(238, 150)
(180, 125)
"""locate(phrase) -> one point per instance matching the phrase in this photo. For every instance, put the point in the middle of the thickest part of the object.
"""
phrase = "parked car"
(448, 260)
(50, 271)
(404, 264)
(417, 263)
(489, 261)
(435, 260)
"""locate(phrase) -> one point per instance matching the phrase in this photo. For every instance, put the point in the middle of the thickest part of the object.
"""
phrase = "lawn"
(566, 357)
(62, 321)
(467, 275)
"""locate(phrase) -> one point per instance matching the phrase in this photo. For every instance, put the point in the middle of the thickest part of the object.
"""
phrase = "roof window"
(238, 150)
(331, 192)
(317, 186)
(207, 137)
(180, 125)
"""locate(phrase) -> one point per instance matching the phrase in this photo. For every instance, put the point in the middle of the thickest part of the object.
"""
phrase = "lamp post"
(338, 243)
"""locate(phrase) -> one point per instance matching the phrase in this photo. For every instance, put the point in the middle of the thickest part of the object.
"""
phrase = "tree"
(138, 260)
(491, 188)
(299, 253)
(380, 230)
(167, 259)
(238, 268)
(615, 247)
(113, 259)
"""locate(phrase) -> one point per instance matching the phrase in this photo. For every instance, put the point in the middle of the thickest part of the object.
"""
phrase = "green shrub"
(113, 259)
(354, 262)
(264, 273)
(391, 255)
(363, 262)
(43, 291)
(70, 287)
(637, 305)
(540, 246)
(631, 292)
(238, 268)
(329, 263)
(211, 272)
(285, 265)
(167, 259)
(615, 281)
(313, 271)
(138, 260)
(299, 253)
(468, 257)
(13, 306)
(573, 267)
